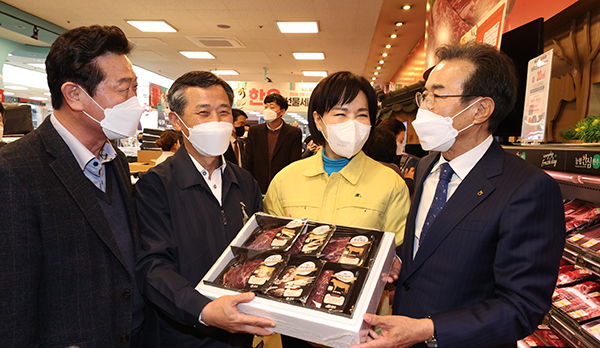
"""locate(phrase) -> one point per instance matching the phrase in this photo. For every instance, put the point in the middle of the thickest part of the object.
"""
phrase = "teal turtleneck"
(332, 166)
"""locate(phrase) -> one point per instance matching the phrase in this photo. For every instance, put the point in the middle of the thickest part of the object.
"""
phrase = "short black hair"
(393, 125)
(237, 113)
(381, 145)
(203, 79)
(339, 88)
(278, 99)
(494, 76)
(73, 58)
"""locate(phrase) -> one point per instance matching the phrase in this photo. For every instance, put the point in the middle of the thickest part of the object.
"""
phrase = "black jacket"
(184, 230)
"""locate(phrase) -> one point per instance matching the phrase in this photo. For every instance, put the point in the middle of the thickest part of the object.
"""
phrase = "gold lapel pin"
(479, 193)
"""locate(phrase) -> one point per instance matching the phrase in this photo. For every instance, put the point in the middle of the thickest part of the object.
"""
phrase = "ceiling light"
(38, 98)
(399, 24)
(47, 93)
(406, 7)
(373, 78)
(384, 55)
(197, 54)
(17, 88)
(381, 62)
(314, 73)
(388, 46)
(376, 73)
(372, 83)
(153, 26)
(308, 56)
(224, 72)
(378, 68)
(298, 27)
(38, 65)
(393, 36)
(8, 93)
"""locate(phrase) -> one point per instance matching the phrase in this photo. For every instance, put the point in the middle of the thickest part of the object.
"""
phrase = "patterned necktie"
(441, 194)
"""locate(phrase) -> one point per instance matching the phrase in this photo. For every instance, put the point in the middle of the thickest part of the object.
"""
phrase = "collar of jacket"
(187, 174)
(351, 172)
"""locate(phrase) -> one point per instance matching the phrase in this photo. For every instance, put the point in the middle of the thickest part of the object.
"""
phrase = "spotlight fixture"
(378, 68)
(376, 73)
(381, 62)
(384, 55)
(35, 33)
(399, 24)
(388, 46)
(373, 78)
(406, 7)
(393, 36)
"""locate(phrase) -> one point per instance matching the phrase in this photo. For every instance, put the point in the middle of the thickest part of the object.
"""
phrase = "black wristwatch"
(432, 342)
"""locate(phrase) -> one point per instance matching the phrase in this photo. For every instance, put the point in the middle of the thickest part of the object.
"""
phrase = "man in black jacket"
(189, 209)
(272, 145)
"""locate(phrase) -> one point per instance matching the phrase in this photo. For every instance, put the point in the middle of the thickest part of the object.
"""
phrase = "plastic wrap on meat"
(582, 217)
(278, 287)
(318, 292)
(334, 249)
(534, 341)
(237, 276)
(263, 241)
(551, 337)
(593, 328)
(578, 290)
(298, 245)
(573, 276)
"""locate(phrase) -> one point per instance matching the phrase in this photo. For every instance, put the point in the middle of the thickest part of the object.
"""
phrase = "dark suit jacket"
(256, 156)
(184, 230)
(487, 269)
(63, 279)
(230, 155)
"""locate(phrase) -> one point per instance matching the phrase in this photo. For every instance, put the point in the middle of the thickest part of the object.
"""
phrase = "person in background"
(69, 235)
(235, 151)
(2, 143)
(486, 229)
(381, 147)
(309, 147)
(169, 143)
(189, 209)
(403, 160)
(272, 145)
(340, 184)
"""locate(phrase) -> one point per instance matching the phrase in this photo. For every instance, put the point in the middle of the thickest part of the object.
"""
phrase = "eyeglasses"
(429, 98)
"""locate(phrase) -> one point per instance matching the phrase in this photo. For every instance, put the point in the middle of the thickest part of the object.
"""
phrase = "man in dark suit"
(272, 145)
(68, 233)
(486, 230)
(235, 151)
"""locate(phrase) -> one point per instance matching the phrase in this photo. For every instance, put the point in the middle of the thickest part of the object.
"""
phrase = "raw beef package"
(581, 302)
(592, 328)
(569, 274)
(546, 337)
(580, 215)
(315, 280)
(588, 238)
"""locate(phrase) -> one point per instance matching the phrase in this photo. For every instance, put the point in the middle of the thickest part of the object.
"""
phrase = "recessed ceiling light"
(378, 68)
(376, 73)
(393, 36)
(298, 27)
(197, 54)
(372, 83)
(8, 93)
(38, 98)
(224, 72)
(406, 7)
(17, 88)
(373, 78)
(384, 55)
(309, 56)
(314, 73)
(153, 26)
(399, 24)
(388, 46)
(381, 62)
(38, 65)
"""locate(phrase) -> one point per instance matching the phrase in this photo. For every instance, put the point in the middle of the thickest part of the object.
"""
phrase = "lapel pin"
(357, 195)
(479, 193)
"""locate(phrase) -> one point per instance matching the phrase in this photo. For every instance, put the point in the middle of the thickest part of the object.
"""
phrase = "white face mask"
(210, 139)
(346, 139)
(269, 115)
(121, 120)
(399, 148)
(436, 132)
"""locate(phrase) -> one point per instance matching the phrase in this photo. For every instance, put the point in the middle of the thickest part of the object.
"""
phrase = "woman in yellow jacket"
(340, 184)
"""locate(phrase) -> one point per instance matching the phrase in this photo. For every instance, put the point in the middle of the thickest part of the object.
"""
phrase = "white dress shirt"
(215, 182)
(461, 166)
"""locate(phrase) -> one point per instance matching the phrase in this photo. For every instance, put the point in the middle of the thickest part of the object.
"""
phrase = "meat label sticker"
(345, 276)
(273, 260)
(294, 223)
(576, 237)
(577, 314)
(590, 243)
(306, 268)
(321, 229)
(562, 303)
(359, 241)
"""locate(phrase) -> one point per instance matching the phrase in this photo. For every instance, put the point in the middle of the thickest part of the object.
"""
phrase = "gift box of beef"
(315, 280)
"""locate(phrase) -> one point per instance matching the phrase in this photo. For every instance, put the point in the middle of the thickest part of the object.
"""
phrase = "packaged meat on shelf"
(580, 215)
(544, 337)
(315, 280)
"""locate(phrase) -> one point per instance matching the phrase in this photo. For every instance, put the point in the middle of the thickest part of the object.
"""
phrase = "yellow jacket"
(364, 194)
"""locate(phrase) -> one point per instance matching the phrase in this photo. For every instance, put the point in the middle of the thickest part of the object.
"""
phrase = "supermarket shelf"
(571, 331)
(582, 257)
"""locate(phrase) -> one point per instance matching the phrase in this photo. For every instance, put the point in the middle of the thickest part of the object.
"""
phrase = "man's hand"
(393, 275)
(409, 174)
(396, 331)
(223, 313)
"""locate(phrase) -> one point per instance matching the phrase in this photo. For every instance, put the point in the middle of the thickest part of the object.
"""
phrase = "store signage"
(535, 113)
(490, 28)
(583, 162)
(250, 95)
(158, 97)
